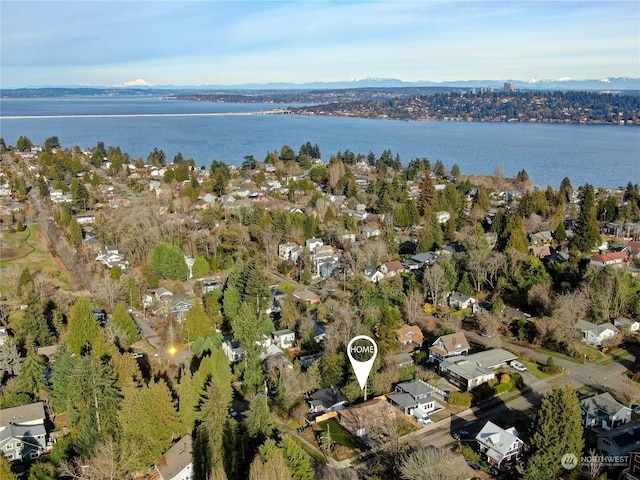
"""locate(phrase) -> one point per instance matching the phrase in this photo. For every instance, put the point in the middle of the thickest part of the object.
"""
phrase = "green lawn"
(339, 434)
(533, 368)
(26, 250)
(614, 356)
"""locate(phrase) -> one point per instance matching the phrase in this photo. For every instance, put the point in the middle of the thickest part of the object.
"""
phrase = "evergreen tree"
(75, 232)
(566, 191)
(289, 312)
(556, 431)
(84, 330)
(514, 235)
(34, 324)
(31, 379)
(188, 396)
(427, 196)
(79, 195)
(198, 323)
(25, 282)
(43, 186)
(168, 261)
(5, 466)
(92, 402)
(62, 372)
(200, 267)
(124, 326)
(587, 232)
(259, 420)
(149, 422)
(560, 234)
(297, 460)
(208, 448)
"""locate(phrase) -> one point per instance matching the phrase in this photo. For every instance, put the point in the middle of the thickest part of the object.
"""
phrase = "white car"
(518, 366)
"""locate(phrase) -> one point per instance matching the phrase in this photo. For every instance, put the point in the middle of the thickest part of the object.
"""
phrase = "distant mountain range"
(606, 84)
(612, 83)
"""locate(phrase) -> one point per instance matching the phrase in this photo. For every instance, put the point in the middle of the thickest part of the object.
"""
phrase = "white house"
(461, 301)
(313, 243)
(500, 446)
(284, 338)
(414, 398)
(627, 324)
(594, 334)
(284, 250)
(231, 348)
(369, 231)
(372, 275)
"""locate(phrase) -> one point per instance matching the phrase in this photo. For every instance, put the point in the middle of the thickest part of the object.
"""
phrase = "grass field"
(27, 250)
(339, 434)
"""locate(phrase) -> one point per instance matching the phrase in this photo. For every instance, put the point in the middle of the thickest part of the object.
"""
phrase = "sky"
(117, 43)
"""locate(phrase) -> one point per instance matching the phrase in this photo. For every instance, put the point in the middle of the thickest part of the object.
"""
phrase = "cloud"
(139, 82)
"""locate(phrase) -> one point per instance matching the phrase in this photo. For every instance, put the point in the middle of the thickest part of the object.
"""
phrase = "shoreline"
(141, 115)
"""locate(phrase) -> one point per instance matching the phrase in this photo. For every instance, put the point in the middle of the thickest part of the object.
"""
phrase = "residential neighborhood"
(204, 313)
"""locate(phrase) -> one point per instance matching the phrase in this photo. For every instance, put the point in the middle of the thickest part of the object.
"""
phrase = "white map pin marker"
(362, 368)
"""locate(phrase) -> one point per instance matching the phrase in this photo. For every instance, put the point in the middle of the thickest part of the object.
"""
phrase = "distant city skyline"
(119, 43)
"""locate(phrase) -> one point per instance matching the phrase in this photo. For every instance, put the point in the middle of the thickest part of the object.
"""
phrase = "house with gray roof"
(23, 436)
(414, 398)
(329, 399)
(471, 371)
(595, 334)
(620, 441)
(176, 463)
(498, 445)
(604, 411)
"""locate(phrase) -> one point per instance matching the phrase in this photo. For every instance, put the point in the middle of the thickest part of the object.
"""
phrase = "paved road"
(590, 374)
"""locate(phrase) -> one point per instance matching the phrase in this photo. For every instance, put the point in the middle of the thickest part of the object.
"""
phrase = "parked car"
(494, 471)
(473, 465)
(461, 434)
(518, 366)
(233, 412)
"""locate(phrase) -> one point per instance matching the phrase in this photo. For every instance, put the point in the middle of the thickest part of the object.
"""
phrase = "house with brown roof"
(410, 335)
(392, 268)
(447, 346)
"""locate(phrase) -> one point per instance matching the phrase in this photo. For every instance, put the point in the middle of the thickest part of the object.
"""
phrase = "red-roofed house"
(612, 258)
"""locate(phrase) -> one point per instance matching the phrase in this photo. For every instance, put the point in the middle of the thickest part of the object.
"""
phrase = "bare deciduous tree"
(496, 264)
(569, 309)
(414, 306)
(429, 463)
(346, 325)
(435, 282)
(595, 464)
(109, 461)
(110, 291)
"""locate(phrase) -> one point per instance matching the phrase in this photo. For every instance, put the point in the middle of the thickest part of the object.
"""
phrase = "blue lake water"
(602, 155)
